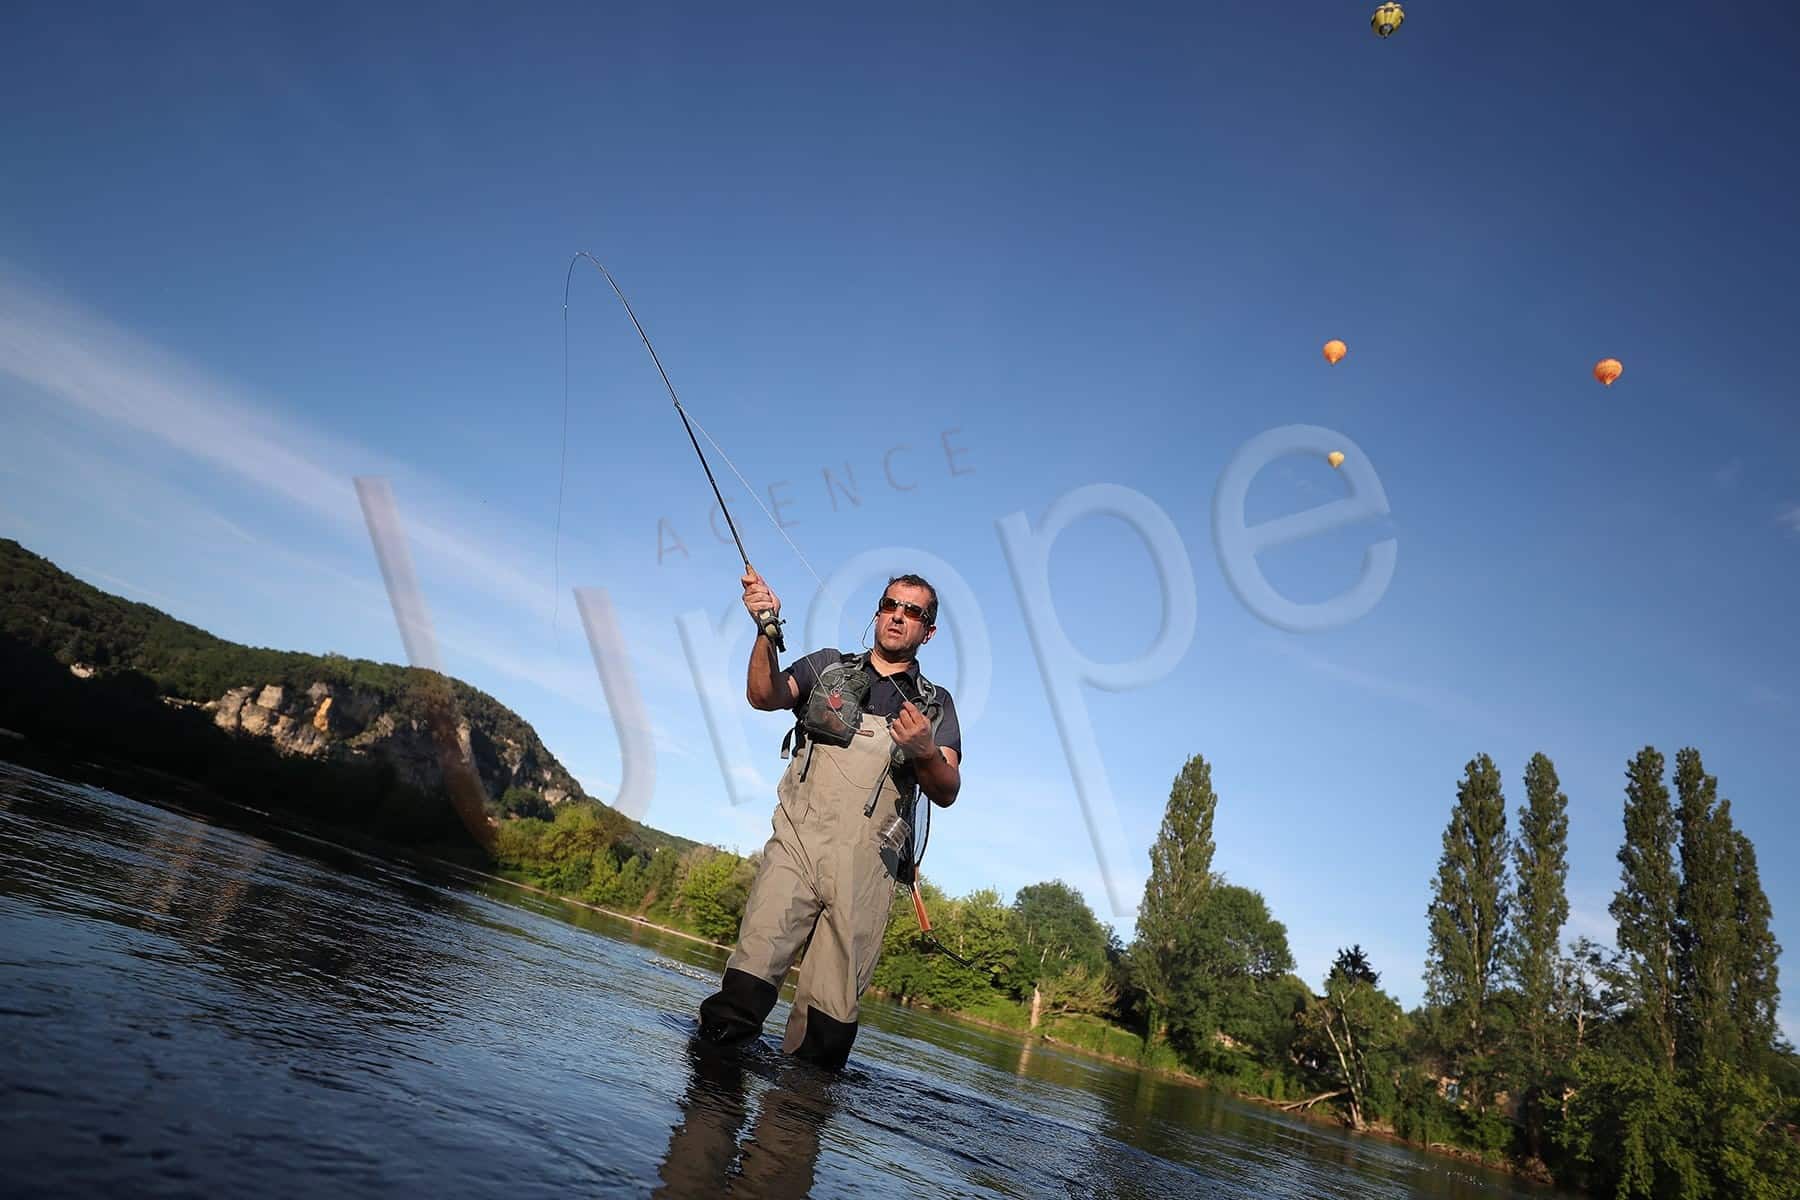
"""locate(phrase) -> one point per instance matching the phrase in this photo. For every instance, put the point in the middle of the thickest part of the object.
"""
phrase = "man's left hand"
(912, 732)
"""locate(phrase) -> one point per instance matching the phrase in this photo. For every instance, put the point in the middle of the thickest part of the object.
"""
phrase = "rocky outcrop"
(335, 723)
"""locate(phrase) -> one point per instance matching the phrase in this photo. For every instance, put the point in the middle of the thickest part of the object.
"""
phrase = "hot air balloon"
(1335, 458)
(1387, 18)
(1335, 350)
(1607, 370)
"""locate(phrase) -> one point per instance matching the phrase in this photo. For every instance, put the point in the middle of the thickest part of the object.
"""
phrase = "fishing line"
(770, 623)
(759, 503)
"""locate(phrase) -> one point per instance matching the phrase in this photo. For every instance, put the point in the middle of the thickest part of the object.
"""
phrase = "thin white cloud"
(1727, 476)
(127, 385)
(1790, 517)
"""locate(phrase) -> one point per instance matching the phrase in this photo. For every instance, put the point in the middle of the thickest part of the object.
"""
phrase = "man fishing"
(870, 734)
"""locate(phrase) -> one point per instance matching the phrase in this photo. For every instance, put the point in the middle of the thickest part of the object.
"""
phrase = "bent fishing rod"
(767, 621)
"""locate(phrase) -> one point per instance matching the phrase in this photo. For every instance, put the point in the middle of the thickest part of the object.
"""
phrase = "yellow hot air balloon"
(1607, 370)
(1387, 18)
(1335, 458)
(1335, 350)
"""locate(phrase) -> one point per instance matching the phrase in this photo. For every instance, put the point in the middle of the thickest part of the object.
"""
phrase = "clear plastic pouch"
(895, 835)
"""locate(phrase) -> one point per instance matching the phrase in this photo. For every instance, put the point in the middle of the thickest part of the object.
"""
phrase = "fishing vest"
(836, 706)
(843, 757)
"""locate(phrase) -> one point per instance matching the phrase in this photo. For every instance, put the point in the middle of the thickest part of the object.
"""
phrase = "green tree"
(577, 831)
(603, 879)
(1230, 957)
(1075, 991)
(1062, 963)
(1581, 1000)
(1468, 914)
(516, 844)
(1755, 993)
(1634, 1129)
(708, 900)
(660, 881)
(1743, 1149)
(525, 802)
(1628, 1126)
(1540, 865)
(1180, 877)
(1057, 931)
(1706, 911)
(981, 930)
(626, 892)
(1352, 1035)
(1645, 905)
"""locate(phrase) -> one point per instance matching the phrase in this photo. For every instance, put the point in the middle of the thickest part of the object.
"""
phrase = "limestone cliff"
(346, 724)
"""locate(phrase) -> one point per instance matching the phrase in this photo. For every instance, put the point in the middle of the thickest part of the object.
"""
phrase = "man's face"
(897, 631)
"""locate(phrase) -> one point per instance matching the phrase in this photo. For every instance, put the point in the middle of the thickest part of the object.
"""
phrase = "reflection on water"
(777, 1159)
(225, 1005)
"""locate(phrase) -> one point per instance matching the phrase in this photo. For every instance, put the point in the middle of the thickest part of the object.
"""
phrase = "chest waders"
(827, 879)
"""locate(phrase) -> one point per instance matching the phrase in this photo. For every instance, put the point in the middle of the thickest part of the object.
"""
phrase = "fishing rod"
(766, 620)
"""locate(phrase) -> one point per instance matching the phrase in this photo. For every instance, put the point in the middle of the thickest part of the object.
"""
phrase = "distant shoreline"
(639, 921)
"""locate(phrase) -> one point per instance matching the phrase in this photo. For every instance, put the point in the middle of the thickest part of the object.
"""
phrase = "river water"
(217, 1005)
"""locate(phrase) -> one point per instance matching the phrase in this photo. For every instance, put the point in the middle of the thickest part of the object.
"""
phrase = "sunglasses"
(889, 604)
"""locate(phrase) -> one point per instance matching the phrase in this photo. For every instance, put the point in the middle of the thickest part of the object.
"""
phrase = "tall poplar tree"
(1645, 904)
(1706, 947)
(1469, 905)
(1755, 993)
(1541, 871)
(1180, 875)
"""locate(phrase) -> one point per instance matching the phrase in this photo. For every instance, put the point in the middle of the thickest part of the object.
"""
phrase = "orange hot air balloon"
(1607, 370)
(1335, 350)
(1335, 458)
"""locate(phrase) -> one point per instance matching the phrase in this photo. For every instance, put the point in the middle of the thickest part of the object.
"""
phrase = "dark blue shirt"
(885, 697)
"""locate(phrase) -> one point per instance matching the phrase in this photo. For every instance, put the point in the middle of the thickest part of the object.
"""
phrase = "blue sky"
(246, 258)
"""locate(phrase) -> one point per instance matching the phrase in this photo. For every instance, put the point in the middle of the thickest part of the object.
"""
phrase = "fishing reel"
(770, 625)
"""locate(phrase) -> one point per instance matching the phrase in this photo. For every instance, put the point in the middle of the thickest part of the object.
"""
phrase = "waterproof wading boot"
(732, 1018)
(826, 1041)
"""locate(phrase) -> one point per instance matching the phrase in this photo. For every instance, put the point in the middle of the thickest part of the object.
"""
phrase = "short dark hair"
(918, 581)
